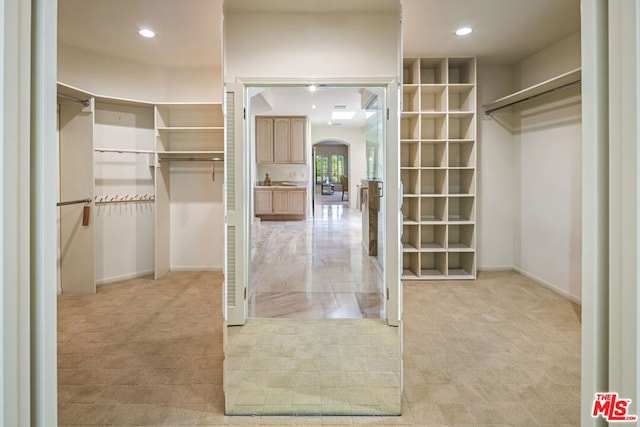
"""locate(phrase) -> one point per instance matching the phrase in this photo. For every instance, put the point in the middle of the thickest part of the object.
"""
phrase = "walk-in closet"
(149, 180)
(502, 210)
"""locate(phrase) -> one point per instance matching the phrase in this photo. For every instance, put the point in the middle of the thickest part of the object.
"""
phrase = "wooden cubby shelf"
(438, 168)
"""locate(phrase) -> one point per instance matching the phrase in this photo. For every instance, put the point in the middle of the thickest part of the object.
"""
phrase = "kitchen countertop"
(281, 184)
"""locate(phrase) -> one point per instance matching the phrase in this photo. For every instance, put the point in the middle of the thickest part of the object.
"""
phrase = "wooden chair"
(344, 182)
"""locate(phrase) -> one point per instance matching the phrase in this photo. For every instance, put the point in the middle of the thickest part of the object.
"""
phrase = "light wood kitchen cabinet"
(297, 202)
(297, 151)
(263, 202)
(281, 140)
(264, 140)
(280, 203)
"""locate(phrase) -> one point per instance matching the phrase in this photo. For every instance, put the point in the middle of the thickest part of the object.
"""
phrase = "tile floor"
(313, 366)
(500, 351)
(315, 268)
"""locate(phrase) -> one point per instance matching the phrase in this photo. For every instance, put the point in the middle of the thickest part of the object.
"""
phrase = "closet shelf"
(557, 83)
(191, 153)
(191, 129)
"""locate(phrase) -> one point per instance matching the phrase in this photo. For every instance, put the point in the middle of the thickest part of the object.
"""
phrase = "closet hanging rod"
(74, 202)
(84, 102)
(555, 89)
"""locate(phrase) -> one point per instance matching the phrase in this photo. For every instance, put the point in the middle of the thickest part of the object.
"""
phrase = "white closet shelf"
(183, 153)
(553, 84)
(459, 275)
(187, 105)
(460, 247)
(191, 129)
(460, 87)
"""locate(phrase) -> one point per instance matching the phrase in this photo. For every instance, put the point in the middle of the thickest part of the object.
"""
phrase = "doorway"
(318, 267)
(331, 174)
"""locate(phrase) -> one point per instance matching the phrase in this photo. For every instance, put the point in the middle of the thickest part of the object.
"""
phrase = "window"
(337, 167)
(322, 169)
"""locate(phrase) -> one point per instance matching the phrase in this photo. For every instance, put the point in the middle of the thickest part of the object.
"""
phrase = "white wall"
(556, 59)
(124, 232)
(197, 216)
(319, 45)
(122, 78)
(496, 186)
(547, 236)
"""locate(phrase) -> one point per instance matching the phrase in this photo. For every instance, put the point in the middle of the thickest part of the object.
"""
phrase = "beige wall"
(321, 45)
(122, 78)
(556, 59)
(496, 170)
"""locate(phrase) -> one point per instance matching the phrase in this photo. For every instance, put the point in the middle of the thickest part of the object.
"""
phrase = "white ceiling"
(301, 101)
(189, 32)
(505, 31)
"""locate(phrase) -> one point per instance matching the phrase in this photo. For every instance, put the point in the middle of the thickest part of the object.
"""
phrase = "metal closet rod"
(559, 88)
(74, 202)
(84, 102)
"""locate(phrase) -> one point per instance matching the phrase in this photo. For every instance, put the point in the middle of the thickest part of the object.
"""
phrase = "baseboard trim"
(548, 285)
(496, 268)
(553, 288)
(194, 268)
(120, 278)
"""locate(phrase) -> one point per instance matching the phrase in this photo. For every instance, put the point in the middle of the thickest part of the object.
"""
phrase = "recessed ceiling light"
(313, 106)
(147, 33)
(342, 115)
(464, 31)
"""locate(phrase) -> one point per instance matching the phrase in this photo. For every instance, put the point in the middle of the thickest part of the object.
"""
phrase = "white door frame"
(240, 218)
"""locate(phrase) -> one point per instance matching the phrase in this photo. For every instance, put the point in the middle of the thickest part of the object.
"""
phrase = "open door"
(236, 262)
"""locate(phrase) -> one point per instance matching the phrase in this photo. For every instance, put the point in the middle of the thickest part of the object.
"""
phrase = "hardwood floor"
(315, 268)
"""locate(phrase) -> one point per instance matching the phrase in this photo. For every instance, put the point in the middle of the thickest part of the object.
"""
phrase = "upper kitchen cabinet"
(264, 140)
(281, 139)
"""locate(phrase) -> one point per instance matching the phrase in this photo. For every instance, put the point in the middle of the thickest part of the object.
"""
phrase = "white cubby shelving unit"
(438, 168)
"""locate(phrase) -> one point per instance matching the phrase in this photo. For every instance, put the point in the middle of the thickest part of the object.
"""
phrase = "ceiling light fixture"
(146, 33)
(464, 31)
(313, 88)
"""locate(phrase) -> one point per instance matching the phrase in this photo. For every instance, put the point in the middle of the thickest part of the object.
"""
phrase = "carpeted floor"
(500, 351)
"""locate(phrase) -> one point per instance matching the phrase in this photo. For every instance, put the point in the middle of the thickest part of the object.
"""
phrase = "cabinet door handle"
(380, 191)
